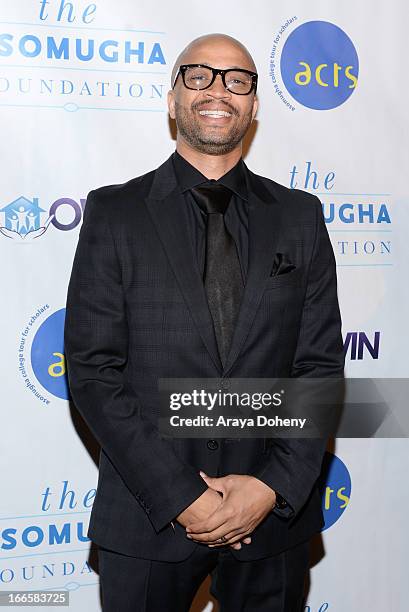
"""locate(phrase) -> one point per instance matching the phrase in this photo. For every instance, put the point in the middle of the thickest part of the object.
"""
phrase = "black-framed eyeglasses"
(237, 80)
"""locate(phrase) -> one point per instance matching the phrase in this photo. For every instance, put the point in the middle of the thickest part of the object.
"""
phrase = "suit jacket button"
(212, 444)
(225, 384)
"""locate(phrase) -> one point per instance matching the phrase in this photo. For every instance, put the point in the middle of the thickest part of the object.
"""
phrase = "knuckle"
(231, 513)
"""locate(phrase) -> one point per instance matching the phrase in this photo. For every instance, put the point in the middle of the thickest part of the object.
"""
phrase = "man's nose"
(217, 89)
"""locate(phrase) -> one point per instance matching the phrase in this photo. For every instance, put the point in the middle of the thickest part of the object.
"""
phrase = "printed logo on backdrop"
(359, 345)
(321, 608)
(41, 360)
(24, 219)
(46, 544)
(314, 63)
(335, 488)
(360, 224)
(70, 55)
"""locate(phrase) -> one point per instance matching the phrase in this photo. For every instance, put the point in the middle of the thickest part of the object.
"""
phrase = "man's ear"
(255, 107)
(171, 103)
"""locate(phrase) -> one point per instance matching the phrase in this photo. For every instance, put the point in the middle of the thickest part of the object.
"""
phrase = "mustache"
(202, 106)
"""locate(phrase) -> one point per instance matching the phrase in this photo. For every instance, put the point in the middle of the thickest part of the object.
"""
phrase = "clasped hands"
(228, 511)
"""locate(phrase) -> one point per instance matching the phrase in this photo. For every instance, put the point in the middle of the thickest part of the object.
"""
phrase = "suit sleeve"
(295, 464)
(96, 347)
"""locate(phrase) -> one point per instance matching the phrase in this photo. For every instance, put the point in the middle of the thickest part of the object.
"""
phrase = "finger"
(215, 536)
(220, 516)
(217, 484)
(237, 533)
(229, 541)
(247, 540)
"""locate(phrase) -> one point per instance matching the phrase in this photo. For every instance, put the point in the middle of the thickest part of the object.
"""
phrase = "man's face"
(206, 132)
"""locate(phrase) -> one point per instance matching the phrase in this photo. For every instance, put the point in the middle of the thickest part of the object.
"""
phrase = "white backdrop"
(69, 125)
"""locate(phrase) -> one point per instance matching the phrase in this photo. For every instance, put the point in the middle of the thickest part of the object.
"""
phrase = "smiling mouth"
(215, 113)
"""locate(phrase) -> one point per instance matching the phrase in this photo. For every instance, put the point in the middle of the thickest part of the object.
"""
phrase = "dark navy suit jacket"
(137, 312)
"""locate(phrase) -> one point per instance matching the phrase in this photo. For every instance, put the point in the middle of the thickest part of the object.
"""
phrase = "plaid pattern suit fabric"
(137, 311)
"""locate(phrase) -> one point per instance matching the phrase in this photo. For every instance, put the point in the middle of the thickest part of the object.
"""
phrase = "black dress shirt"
(236, 215)
(236, 220)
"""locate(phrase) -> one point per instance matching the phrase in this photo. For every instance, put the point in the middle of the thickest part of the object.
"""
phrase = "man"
(201, 269)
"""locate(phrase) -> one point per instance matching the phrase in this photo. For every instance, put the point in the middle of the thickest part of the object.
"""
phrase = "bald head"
(212, 120)
(225, 50)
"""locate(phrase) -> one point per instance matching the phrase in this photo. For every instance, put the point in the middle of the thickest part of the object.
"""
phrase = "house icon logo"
(22, 219)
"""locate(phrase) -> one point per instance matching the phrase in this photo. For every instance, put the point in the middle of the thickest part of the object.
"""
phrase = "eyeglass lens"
(237, 81)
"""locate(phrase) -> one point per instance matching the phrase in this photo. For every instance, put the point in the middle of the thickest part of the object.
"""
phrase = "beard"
(210, 140)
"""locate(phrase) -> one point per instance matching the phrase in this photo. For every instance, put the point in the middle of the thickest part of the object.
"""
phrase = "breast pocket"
(288, 279)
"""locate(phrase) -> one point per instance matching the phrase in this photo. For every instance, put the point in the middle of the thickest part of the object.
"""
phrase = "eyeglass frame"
(183, 67)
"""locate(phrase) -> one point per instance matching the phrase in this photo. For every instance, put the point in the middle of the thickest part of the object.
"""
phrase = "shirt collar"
(188, 176)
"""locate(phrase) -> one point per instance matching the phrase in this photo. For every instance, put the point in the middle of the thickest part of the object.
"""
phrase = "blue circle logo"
(47, 355)
(319, 65)
(335, 488)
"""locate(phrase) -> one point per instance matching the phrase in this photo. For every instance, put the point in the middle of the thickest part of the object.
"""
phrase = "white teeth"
(215, 113)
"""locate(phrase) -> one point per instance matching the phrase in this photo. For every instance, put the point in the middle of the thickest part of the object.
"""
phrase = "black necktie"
(222, 277)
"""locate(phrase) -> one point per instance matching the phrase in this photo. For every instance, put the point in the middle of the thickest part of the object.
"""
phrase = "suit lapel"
(166, 207)
(264, 228)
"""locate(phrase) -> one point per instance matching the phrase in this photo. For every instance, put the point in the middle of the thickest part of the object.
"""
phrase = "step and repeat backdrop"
(83, 104)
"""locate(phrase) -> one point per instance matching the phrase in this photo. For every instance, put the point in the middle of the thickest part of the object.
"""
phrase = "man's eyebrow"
(230, 68)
